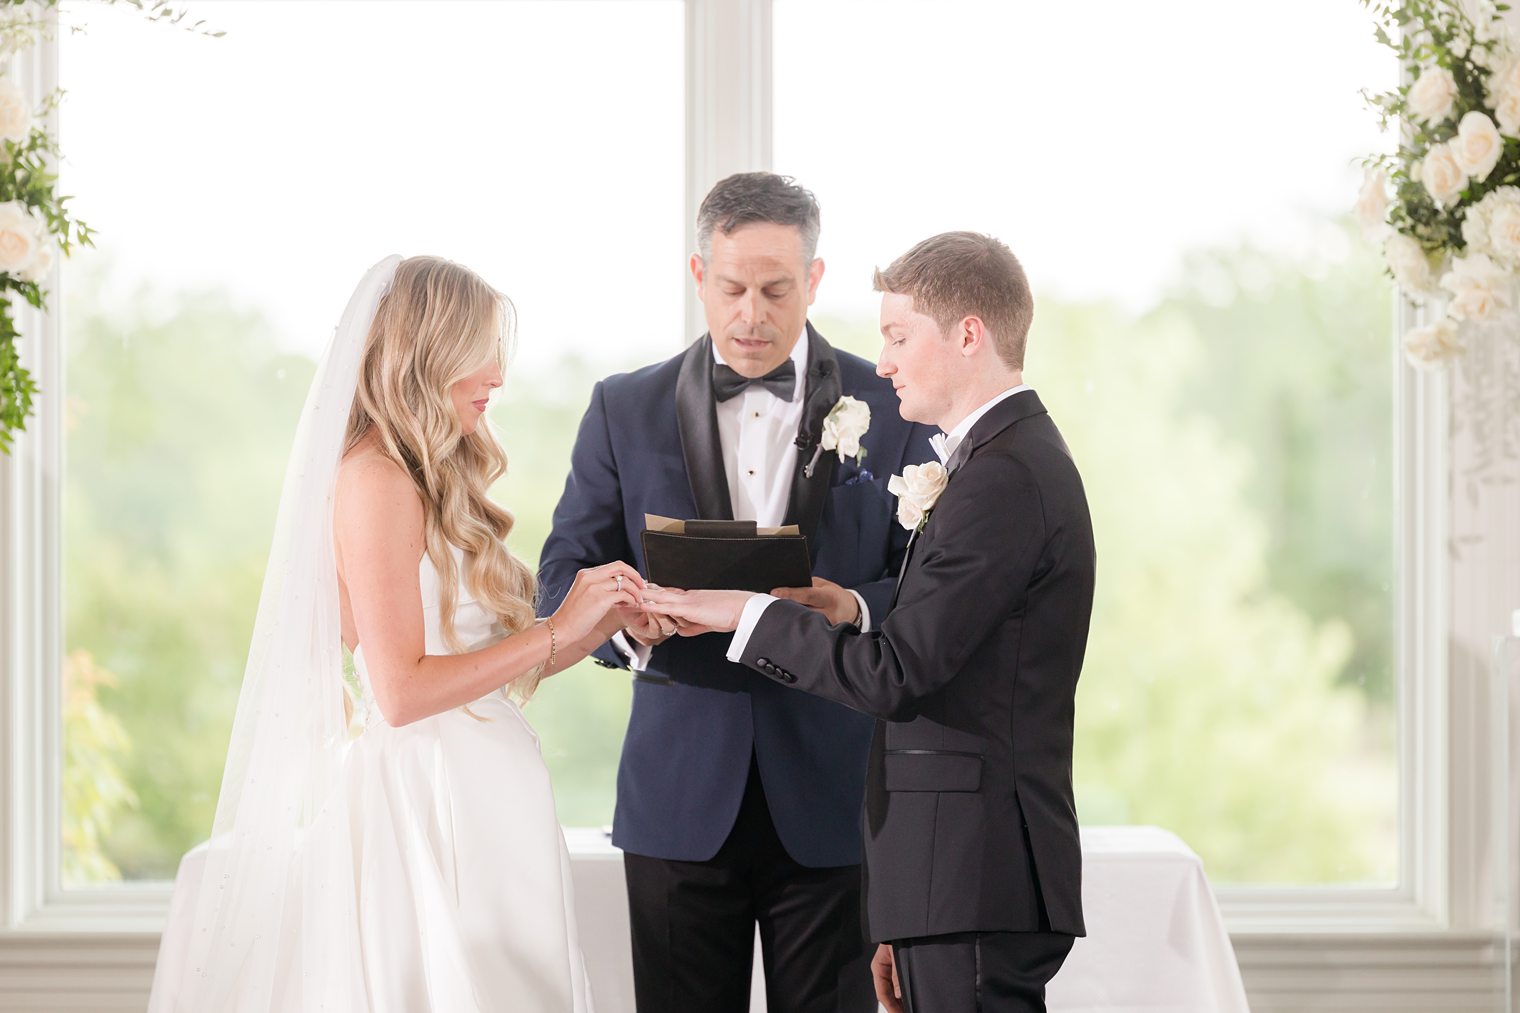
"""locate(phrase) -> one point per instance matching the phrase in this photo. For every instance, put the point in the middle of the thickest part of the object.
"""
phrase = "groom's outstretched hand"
(825, 596)
(697, 612)
(649, 628)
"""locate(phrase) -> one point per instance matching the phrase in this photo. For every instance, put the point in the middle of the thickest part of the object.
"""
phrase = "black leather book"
(724, 555)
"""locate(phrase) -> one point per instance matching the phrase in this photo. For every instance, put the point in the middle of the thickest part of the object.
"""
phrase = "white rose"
(1372, 203)
(1432, 96)
(909, 514)
(41, 264)
(925, 481)
(1442, 177)
(917, 490)
(1409, 263)
(1503, 232)
(1507, 112)
(1431, 347)
(15, 113)
(847, 422)
(1477, 146)
(20, 238)
(1480, 288)
(1505, 76)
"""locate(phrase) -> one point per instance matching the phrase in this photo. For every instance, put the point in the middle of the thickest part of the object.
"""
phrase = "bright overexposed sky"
(540, 142)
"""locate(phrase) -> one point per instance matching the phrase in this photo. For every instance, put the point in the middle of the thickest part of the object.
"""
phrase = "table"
(1155, 943)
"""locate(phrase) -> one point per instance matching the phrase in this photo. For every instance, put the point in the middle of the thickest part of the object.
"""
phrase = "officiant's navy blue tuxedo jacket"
(649, 445)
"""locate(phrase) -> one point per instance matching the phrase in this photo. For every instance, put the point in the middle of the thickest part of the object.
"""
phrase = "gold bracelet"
(553, 642)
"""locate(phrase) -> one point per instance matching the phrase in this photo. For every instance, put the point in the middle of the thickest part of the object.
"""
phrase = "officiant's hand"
(825, 596)
(697, 612)
(884, 973)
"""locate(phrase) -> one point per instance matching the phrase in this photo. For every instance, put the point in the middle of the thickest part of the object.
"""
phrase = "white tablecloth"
(1155, 941)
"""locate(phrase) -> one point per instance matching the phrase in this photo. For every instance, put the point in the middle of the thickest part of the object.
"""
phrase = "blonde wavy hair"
(438, 323)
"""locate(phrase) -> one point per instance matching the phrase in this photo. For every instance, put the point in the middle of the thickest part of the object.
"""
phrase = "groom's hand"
(825, 596)
(649, 628)
(884, 972)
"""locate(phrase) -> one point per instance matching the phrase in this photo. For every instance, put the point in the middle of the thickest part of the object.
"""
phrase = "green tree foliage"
(95, 790)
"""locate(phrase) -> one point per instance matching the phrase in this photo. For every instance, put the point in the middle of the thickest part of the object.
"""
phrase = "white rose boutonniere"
(845, 426)
(843, 429)
(917, 490)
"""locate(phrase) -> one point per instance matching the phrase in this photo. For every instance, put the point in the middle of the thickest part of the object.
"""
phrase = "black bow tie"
(781, 381)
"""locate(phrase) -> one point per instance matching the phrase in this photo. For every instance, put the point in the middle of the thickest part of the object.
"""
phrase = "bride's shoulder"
(369, 481)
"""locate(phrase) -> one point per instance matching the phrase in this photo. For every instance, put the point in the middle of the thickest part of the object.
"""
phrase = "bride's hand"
(594, 597)
(698, 611)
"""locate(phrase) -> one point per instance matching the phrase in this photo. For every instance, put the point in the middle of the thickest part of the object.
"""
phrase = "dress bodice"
(474, 626)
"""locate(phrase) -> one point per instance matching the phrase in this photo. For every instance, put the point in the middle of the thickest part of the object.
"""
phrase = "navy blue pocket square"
(863, 475)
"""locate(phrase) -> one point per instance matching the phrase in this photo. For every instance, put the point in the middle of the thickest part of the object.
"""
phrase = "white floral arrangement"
(1446, 205)
(35, 223)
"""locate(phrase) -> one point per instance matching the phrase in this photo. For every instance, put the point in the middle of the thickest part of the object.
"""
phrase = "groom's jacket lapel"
(697, 420)
(821, 393)
(1005, 413)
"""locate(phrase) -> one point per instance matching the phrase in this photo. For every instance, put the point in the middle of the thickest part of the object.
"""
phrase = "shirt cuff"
(865, 611)
(748, 619)
(636, 654)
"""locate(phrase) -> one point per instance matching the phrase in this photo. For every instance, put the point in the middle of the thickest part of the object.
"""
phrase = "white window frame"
(729, 128)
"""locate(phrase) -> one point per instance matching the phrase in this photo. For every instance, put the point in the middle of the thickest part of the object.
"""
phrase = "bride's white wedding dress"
(436, 880)
(463, 896)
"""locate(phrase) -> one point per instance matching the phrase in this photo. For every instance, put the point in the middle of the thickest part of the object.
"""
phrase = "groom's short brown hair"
(955, 275)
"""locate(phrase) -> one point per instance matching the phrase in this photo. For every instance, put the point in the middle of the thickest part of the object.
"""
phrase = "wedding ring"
(617, 584)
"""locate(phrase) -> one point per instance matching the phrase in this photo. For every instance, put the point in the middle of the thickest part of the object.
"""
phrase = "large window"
(240, 186)
(1214, 342)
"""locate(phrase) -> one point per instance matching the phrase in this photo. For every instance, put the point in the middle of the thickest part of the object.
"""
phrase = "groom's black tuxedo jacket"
(970, 824)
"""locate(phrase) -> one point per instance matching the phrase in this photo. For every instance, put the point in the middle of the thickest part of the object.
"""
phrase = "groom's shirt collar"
(799, 359)
(945, 443)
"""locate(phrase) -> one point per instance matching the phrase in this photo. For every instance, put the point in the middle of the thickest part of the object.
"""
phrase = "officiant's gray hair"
(748, 197)
(956, 275)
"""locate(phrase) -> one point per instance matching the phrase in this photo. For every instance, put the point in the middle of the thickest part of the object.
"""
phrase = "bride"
(391, 844)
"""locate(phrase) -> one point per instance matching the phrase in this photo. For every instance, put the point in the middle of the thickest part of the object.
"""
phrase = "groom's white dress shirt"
(944, 445)
(757, 431)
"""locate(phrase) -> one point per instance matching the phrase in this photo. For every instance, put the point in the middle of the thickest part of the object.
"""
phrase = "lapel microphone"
(810, 432)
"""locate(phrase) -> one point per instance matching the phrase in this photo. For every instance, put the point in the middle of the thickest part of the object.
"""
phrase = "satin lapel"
(820, 394)
(697, 420)
(907, 562)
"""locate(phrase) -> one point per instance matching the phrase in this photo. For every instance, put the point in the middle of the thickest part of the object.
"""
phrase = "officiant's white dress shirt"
(944, 445)
(757, 432)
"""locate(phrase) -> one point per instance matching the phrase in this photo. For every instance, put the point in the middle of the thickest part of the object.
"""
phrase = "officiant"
(738, 803)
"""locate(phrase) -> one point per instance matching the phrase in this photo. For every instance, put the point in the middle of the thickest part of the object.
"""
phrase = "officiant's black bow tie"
(781, 381)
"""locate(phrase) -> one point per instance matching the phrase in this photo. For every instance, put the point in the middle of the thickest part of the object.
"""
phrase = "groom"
(738, 802)
(973, 864)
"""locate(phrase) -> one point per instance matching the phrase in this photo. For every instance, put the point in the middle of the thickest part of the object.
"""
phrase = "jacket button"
(788, 677)
(763, 662)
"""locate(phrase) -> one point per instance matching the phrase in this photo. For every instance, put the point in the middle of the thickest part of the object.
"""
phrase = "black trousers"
(979, 972)
(693, 926)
